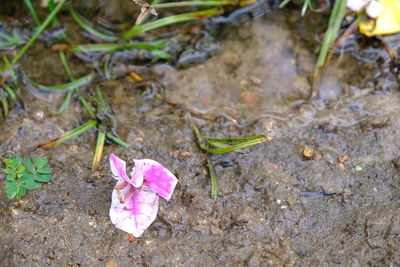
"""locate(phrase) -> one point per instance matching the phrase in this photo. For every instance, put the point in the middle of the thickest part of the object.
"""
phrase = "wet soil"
(325, 191)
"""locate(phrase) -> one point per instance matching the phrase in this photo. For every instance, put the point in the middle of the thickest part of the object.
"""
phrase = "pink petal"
(118, 168)
(136, 214)
(157, 177)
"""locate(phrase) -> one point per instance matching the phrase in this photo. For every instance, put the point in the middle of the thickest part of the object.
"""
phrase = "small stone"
(308, 152)
(39, 115)
(343, 158)
(359, 168)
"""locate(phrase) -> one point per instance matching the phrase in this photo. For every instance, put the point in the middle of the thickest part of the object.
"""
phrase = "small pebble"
(308, 152)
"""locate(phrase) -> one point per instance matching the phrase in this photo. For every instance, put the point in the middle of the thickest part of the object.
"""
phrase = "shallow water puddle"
(257, 73)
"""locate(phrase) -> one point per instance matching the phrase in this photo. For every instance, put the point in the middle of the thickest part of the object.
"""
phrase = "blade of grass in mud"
(32, 10)
(117, 140)
(284, 3)
(10, 69)
(213, 178)
(233, 147)
(102, 105)
(10, 92)
(65, 103)
(107, 72)
(71, 134)
(234, 140)
(11, 40)
(84, 25)
(155, 45)
(64, 61)
(195, 3)
(87, 107)
(51, 8)
(99, 150)
(221, 145)
(68, 97)
(335, 20)
(38, 32)
(4, 103)
(67, 86)
(169, 20)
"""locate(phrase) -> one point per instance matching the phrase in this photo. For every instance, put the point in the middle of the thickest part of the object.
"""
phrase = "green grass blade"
(10, 92)
(155, 45)
(107, 71)
(90, 29)
(88, 108)
(234, 140)
(71, 134)
(214, 186)
(220, 142)
(32, 10)
(284, 3)
(65, 64)
(331, 33)
(99, 150)
(232, 148)
(167, 21)
(67, 86)
(102, 105)
(10, 69)
(38, 32)
(4, 103)
(65, 103)
(117, 140)
(51, 8)
(195, 3)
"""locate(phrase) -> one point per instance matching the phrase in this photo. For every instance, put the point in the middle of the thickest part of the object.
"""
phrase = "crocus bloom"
(134, 203)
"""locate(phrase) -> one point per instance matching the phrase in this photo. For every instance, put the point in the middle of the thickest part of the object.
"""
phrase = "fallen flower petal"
(118, 168)
(134, 203)
(156, 177)
(136, 214)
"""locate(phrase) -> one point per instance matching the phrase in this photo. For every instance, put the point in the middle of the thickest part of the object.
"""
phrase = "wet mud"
(325, 191)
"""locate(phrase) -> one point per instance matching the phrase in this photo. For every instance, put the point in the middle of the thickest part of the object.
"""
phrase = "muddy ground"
(324, 192)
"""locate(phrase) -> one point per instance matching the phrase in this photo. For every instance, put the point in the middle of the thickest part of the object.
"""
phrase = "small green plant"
(22, 175)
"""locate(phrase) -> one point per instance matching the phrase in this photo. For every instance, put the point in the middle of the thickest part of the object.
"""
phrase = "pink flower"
(134, 203)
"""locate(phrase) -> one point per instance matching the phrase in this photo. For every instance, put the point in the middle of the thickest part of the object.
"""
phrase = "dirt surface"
(324, 192)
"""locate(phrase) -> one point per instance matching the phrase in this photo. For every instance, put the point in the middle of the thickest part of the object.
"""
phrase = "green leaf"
(8, 162)
(29, 184)
(29, 165)
(21, 168)
(45, 170)
(28, 175)
(15, 162)
(40, 162)
(11, 188)
(8, 171)
(44, 178)
(11, 176)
